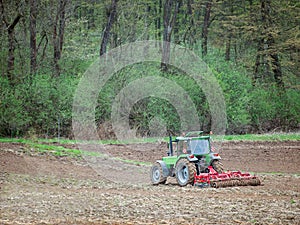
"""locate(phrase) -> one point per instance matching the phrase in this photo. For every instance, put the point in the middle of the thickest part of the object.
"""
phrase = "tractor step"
(226, 179)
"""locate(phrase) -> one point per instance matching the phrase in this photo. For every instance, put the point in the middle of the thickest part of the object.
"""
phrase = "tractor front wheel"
(185, 171)
(156, 174)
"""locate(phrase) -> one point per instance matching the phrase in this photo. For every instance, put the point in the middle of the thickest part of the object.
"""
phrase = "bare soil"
(39, 188)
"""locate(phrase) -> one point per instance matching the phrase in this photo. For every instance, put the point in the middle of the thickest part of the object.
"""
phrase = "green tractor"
(192, 155)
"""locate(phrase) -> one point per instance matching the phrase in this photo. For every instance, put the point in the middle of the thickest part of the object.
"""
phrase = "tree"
(191, 30)
(267, 58)
(10, 27)
(206, 24)
(58, 34)
(37, 37)
(158, 13)
(111, 14)
(170, 11)
(32, 27)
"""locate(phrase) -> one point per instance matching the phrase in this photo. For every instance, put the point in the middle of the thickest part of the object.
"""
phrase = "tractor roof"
(192, 138)
(193, 135)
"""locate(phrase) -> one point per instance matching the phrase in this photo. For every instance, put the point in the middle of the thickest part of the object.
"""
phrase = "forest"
(252, 47)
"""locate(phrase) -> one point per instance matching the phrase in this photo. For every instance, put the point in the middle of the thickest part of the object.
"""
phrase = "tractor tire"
(218, 166)
(156, 174)
(184, 172)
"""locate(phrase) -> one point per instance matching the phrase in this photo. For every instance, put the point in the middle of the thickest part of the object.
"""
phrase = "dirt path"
(47, 190)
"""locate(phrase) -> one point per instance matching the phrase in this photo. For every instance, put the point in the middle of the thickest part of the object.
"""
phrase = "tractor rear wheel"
(218, 166)
(185, 171)
(156, 174)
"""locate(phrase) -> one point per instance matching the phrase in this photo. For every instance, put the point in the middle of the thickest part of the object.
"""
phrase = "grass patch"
(261, 137)
(61, 151)
(56, 150)
(47, 144)
(70, 142)
(244, 137)
(53, 146)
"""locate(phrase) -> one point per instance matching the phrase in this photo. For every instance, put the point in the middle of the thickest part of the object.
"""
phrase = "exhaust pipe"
(170, 146)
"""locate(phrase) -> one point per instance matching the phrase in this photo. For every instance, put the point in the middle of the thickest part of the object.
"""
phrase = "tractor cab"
(195, 148)
(191, 144)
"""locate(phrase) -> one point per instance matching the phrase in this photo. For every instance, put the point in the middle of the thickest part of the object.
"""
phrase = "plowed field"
(42, 189)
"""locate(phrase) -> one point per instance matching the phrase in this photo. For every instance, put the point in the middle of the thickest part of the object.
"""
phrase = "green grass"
(42, 143)
(245, 137)
(62, 151)
(40, 146)
(68, 141)
(264, 137)
(53, 146)
(57, 150)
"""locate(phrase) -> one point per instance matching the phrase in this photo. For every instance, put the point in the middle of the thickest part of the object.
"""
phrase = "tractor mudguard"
(192, 158)
(215, 156)
(165, 170)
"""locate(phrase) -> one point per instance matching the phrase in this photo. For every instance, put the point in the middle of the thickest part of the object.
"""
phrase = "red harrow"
(225, 179)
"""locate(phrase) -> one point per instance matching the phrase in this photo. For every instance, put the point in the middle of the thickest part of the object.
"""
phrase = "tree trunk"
(230, 30)
(58, 34)
(159, 20)
(146, 22)
(190, 31)
(168, 22)
(32, 25)
(91, 16)
(11, 54)
(43, 37)
(11, 41)
(56, 46)
(111, 19)
(267, 59)
(189, 7)
(158, 12)
(62, 23)
(176, 25)
(206, 23)
(276, 67)
(258, 62)
(228, 47)
(146, 25)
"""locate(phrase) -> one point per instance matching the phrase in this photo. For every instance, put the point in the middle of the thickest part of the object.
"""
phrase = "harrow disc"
(235, 182)
(226, 179)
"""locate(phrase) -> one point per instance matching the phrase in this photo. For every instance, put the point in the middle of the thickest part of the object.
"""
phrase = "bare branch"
(14, 23)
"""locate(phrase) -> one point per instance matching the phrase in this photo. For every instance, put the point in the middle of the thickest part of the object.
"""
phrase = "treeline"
(252, 46)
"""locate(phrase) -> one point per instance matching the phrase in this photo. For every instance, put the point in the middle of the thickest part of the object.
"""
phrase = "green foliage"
(147, 109)
(272, 109)
(262, 108)
(13, 115)
(42, 105)
(236, 86)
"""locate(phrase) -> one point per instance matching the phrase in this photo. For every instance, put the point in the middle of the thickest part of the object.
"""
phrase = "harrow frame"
(225, 179)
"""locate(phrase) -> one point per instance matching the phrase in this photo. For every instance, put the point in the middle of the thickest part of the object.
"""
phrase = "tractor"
(195, 162)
